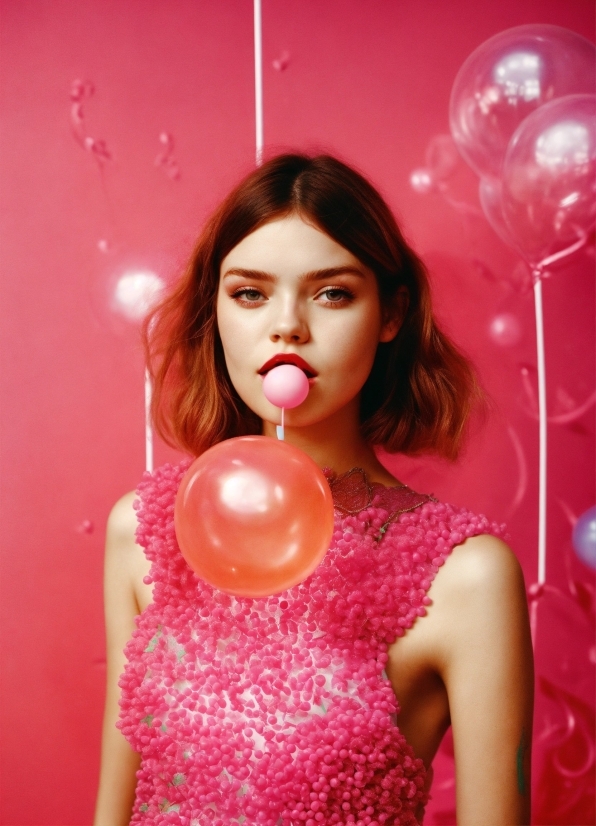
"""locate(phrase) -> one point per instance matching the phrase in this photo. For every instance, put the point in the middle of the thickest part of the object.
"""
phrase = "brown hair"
(420, 390)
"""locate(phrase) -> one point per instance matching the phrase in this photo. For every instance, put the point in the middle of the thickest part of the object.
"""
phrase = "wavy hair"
(421, 388)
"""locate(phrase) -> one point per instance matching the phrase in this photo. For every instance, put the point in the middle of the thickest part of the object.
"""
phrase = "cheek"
(358, 346)
(237, 348)
(220, 319)
(229, 331)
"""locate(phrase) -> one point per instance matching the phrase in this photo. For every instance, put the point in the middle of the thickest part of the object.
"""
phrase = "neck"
(336, 443)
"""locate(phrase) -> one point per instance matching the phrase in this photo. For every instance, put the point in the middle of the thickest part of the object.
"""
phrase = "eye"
(336, 296)
(247, 295)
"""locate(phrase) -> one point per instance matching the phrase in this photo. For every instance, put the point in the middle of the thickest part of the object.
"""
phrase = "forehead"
(290, 246)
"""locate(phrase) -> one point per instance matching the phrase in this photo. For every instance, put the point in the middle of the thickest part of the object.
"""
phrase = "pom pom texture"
(277, 711)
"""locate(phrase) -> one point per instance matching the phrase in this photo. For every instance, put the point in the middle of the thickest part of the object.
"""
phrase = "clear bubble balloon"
(442, 156)
(490, 193)
(507, 78)
(548, 195)
(584, 537)
(253, 516)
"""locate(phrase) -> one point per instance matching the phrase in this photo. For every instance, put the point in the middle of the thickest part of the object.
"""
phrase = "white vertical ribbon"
(258, 81)
(542, 427)
(148, 425)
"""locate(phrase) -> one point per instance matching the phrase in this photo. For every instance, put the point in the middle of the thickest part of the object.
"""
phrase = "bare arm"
(486, 663)
(125, 596)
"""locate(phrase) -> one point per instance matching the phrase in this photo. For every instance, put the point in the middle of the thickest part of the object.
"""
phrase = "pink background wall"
(368, 79)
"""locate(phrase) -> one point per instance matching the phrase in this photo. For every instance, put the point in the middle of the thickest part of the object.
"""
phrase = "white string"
(538, 275)
(148, 426)
(557, 256)
(258, 81)
(259, 156)
(279, 430)
(542, 428)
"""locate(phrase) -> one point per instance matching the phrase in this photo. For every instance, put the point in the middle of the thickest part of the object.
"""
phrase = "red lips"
(288, 358)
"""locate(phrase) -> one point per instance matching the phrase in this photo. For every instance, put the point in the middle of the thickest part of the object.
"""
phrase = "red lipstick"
(288, 358)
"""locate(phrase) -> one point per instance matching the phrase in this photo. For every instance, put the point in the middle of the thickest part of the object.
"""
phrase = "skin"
(288, 287)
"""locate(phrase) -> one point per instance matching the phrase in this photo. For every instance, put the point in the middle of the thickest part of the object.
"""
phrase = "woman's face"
(288, 288)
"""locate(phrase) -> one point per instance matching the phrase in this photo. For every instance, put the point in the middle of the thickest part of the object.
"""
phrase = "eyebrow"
(313, 275)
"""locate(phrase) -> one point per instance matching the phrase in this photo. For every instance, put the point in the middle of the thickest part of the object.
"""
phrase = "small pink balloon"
(422, 180)
(505, 330)
(286, 386)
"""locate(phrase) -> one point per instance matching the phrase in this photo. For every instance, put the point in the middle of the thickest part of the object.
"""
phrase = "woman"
(314, 706)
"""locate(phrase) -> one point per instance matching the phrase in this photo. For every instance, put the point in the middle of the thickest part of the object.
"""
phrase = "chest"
(257, 706)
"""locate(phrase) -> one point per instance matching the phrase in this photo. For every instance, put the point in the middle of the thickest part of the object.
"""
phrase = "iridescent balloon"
(584, 537)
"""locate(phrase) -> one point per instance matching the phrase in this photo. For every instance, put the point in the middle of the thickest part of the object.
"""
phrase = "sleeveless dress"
(277, 710)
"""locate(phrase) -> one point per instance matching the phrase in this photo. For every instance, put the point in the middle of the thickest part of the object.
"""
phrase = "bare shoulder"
(481, 580)
(122, 521)
(483, 653)
(125, 596)
(125, 559)
(478, 596)
(482, 565)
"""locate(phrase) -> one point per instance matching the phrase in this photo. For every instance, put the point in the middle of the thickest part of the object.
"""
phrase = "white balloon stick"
(148, 425)
(279, 430)
(258, 81)
(542, 427)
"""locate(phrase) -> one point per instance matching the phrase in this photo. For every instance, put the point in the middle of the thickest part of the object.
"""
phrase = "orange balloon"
(253, 516)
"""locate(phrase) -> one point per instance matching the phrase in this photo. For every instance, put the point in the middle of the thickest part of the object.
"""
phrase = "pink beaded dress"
(277, 711)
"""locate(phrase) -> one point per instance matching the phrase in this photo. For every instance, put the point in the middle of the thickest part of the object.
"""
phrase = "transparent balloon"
(506, 79)
(442, 157)
(253, 516)
(548, 194)
(490, 193)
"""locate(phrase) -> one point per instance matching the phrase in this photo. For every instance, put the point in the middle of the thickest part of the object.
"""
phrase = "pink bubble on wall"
(505, 330)
(422, 180)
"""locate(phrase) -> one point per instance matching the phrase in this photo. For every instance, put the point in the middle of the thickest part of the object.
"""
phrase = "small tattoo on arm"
(521, 751)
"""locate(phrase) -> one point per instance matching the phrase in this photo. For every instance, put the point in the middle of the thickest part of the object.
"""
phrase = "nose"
(290, 325)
